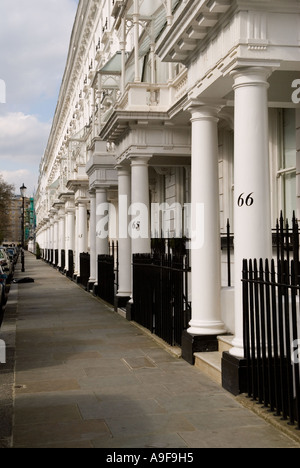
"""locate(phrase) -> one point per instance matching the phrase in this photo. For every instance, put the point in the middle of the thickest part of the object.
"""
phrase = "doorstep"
(211, 363)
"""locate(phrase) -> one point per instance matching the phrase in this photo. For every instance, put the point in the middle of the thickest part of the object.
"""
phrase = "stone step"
(225, 343)
(211, 363)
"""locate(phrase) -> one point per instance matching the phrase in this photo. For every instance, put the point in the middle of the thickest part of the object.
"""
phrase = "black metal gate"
(63, 260)
(160, 295)
(106, 278)
(70, 271)
(108, 267)
(85, 265)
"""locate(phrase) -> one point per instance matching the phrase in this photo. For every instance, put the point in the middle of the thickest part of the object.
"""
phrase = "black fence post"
(228, 254)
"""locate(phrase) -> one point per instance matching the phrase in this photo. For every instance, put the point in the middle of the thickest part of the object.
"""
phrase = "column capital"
(62, 212)
(99, 189)
(92, 193)
(123, 170)
(251, 76)
(140, 160)
(70, 206)
(204, 109)
(82, 203)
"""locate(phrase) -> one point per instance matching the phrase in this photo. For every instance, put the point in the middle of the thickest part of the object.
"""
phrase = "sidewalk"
(87, 378)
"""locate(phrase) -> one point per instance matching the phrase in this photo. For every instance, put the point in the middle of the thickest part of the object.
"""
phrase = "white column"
(140, 207)
(153, 58)
(47, 241)
(51, 237)
(252, 212)
(123, 52)
(76, 242)
(136, 19)
(206, 248)
(61, 235)
(66, 240)
(93, 253)
(168, 8)
(70, 233)
(101, 214)
(125, 287)
(55, 234)
(82, 231)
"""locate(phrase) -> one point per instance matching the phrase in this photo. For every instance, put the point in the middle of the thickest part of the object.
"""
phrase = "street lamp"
(23, 195)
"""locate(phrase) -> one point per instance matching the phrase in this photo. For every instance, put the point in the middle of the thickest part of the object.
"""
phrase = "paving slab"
(86, 378)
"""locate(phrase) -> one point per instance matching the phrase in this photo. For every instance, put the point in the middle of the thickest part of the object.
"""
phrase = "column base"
(120, 302)
(90, 285)
(95, 289)
(130, 311)
(234, 374)
(192, 344)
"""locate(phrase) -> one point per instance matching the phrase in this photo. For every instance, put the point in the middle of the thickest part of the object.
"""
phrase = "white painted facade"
(176, 101)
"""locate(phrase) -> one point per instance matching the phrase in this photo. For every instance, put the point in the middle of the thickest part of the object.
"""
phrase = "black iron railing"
(63, 260)
(85, 265)
(271, 335)
(227, 245)
(108, 274)
(286, 239)
(160, 295)
(70, 271)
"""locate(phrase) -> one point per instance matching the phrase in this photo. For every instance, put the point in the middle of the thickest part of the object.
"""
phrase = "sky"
(34, 42)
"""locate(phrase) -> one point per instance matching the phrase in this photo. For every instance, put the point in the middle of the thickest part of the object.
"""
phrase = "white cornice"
(195, 22)
(80, 40)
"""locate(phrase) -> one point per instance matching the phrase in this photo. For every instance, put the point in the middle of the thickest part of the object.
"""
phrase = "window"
(287, 164)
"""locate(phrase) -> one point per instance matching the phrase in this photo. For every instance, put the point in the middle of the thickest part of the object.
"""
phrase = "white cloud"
(17, 178)
(23, 138)
(34, 38)
(22, 143)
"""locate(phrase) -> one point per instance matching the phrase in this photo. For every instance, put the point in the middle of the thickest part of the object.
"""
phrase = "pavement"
(81, 376)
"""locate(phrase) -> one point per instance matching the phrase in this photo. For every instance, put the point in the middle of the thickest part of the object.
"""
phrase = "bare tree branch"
(6, 194)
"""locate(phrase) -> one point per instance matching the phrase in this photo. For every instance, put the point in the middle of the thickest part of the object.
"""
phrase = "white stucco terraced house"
(189, 102)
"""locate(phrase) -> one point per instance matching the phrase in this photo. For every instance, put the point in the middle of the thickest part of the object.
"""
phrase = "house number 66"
(248, 201)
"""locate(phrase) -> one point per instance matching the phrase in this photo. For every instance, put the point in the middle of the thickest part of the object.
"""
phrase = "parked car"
(6, 263)
(3, 294)
(13, 254)
(2, 303)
